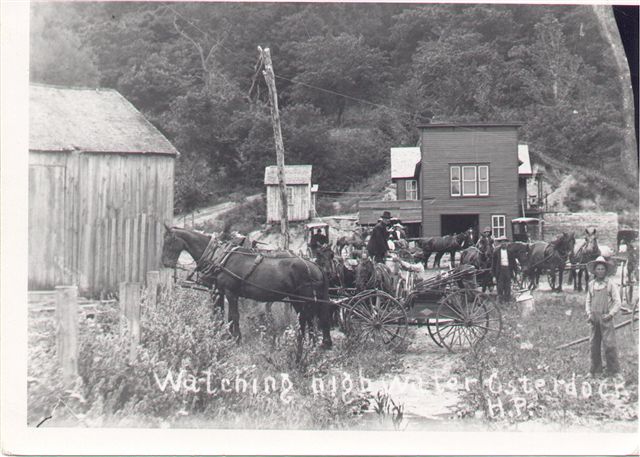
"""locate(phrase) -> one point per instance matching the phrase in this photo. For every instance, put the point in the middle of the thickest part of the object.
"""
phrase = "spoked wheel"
(466, 317)
(375, 316)
(431, 327)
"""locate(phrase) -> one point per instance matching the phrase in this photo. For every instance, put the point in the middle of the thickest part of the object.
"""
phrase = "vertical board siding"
(96, 219)
(299, 211)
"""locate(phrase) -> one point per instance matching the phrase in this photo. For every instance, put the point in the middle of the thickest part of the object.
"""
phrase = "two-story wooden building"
(466, 176)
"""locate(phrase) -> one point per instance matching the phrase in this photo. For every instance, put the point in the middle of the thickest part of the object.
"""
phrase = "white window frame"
(452, 181)
(474, 180)
(411, 189)
(498, 229)
(480, 180)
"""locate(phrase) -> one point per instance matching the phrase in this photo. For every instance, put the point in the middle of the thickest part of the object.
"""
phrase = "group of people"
(387, 229)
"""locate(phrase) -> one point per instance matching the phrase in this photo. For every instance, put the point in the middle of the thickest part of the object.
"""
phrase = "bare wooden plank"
(142, 265)
(135, 243)
(153, 283)
(67, 331)
(113, 279)
(127, 249)
(132, 297)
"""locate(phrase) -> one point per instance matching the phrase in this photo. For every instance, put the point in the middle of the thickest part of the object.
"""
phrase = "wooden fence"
(67, 314)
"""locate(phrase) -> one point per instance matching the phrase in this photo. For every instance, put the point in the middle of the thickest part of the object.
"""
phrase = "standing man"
(502, 266)
(318, 240)
(377, 246)
(603, 302)
(485, 243)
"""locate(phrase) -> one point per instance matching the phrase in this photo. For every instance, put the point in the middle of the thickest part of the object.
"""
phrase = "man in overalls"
(603, 302)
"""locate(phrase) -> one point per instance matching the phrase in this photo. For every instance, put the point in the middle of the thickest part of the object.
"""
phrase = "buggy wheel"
(375, 316)
(466, 317)
(401, 290)
(431, 327)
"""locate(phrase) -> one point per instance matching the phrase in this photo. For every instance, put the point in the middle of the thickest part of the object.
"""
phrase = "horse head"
(172, 247)
(324, 259)
(564, 243)
(591, 242)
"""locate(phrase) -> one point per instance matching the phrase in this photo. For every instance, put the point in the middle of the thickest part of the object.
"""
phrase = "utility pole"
(277, 134)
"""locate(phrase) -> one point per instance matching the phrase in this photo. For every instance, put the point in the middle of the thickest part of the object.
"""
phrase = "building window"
(498, 226)
(455, 181)
(411, 187)
(469, 180)
(483, 180)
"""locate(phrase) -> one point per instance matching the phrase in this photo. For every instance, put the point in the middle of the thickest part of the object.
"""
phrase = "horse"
(552, 257)
(354, 241)
(443, 244)
(238, 271)
(519, 251)
(372, 275)
(338, 275)
(583, 252)
(481, 262)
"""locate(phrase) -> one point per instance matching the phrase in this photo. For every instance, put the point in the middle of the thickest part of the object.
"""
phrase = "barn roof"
(404, 161)
(90, 120)
(293, 174)
(524, 163)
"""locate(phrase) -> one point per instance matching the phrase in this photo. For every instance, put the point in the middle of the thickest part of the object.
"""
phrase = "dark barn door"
(457, 223)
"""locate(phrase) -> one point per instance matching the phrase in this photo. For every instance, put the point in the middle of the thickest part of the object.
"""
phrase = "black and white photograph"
(404, 218)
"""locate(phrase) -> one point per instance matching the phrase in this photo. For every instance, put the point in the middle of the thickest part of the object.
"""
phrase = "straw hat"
(609, 265)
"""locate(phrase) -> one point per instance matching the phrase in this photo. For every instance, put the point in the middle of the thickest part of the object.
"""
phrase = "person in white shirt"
(501, 266)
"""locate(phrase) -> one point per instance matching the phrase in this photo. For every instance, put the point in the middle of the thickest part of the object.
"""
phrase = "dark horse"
(583, 252)
(372, 275)
(443, 244)
(355, 241)
(260, 276)
(519, 251)
(482, 262)
(550, 257)
(339, 276)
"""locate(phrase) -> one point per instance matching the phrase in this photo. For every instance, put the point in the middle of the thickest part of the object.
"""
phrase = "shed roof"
(404, 161)
(293, 174)
(90, 120)
(524, 163)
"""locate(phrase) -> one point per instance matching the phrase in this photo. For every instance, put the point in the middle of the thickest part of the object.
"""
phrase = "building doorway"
(458, 223)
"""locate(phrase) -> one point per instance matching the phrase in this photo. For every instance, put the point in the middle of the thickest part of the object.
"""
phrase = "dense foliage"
(353, 80)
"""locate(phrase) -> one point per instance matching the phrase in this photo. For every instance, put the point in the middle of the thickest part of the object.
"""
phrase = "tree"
(343, 64)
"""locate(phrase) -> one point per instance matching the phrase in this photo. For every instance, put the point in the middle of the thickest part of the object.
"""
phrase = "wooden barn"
(301, 194)
(100, 189)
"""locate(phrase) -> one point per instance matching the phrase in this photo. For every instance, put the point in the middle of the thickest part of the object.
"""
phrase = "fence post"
(153, 281)
(130, 308)
(67, 331)
(166, 280)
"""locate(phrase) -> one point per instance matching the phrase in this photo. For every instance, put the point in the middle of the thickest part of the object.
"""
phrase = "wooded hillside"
(353, 80)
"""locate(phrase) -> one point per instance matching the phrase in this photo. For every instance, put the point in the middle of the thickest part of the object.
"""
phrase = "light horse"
(584, 251)
(443, 244)
(260, 276)
(550, 257)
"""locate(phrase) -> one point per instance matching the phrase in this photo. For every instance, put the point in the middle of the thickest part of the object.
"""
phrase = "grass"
(267, 387)
(527, 349)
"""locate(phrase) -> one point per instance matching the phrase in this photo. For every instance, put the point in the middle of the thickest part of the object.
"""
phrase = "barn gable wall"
(96, 219)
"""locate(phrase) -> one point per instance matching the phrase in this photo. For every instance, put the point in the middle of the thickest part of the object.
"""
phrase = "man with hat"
(603, 302)
(377, 246)
(501, 265)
